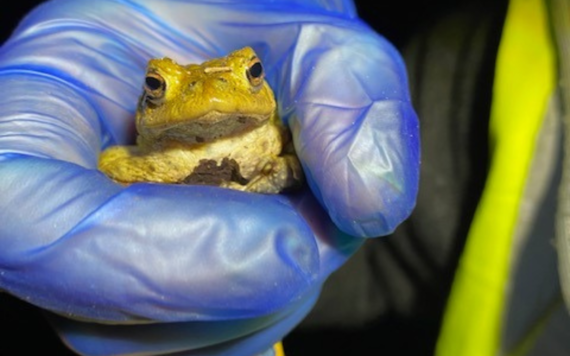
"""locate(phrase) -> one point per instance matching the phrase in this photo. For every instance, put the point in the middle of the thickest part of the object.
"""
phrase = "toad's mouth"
(207, 128)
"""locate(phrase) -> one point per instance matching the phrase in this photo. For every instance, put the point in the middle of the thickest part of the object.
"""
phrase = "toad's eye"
(255, 73)
(154, 86)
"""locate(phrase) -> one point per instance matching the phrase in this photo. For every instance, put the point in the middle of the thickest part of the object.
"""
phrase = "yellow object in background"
(278, 348)
(524, 82)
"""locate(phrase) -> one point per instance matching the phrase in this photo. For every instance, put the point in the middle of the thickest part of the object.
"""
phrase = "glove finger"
(356, 133)
(89, 250)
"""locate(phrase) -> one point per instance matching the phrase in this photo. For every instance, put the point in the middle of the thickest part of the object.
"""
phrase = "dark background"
(385, 332)
(395, 20)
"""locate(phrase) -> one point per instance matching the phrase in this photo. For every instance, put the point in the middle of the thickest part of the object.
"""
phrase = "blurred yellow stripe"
(524, 80)
(278, 348)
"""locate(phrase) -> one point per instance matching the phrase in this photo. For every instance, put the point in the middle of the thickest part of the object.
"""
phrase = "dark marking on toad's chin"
(208, 172)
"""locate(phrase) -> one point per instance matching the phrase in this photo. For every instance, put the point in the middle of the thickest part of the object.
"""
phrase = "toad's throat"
(205, 129)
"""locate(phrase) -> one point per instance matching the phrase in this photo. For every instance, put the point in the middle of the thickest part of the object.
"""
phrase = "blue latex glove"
(235, 271)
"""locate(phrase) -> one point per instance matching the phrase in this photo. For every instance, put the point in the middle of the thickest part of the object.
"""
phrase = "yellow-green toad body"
(213, 123)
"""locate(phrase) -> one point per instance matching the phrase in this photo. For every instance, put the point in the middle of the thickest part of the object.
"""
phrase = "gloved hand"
(235, 271)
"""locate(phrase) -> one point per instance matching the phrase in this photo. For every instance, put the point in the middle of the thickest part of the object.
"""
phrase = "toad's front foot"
(276, 175)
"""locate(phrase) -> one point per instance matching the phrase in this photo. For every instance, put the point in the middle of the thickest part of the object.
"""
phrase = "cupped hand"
(200, 269)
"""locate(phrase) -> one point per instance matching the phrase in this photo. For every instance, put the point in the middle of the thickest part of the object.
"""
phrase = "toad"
(214, 123)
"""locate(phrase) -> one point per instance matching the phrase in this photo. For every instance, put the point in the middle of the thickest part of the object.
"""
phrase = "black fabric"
(390, 297)
(24, 331)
